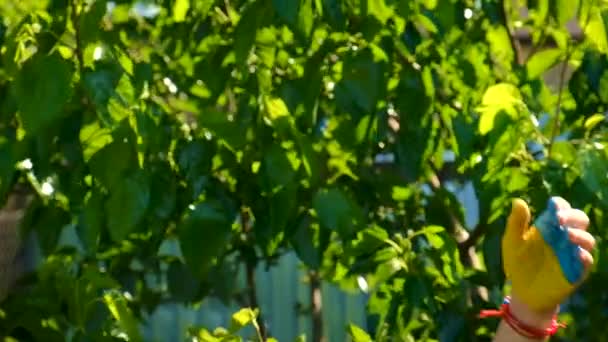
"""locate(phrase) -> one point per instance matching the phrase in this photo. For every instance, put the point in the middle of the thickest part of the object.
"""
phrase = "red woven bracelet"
(520, 327)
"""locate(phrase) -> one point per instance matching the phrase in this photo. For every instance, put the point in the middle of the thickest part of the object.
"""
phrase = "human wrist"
(532, 318)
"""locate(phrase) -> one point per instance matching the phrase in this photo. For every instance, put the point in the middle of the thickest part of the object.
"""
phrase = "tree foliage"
(241, 130)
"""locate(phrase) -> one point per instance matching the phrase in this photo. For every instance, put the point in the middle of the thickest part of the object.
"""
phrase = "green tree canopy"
(241, 130)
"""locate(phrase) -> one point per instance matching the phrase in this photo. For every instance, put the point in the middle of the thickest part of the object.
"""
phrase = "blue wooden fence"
(279, 291)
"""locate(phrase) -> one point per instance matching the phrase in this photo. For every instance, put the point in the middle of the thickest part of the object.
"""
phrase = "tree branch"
(316, 305)
(479, 231)
(250, 278)
(514, 42)
(556, 123)
(467, 253)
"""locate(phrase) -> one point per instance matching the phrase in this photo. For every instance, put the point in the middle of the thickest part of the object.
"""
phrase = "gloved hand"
(546, 261)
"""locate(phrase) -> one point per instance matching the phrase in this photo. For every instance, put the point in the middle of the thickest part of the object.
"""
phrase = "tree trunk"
(10, 241)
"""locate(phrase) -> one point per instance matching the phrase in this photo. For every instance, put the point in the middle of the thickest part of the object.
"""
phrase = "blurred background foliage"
(158, 153)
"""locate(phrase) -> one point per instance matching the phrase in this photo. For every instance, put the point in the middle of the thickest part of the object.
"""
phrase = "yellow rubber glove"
(539, 259)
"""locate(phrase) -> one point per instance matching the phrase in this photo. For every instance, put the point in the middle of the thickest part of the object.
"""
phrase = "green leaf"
(306, 242)
(500, 46)
(203, 234)
(244, 35)
(111, 163)
(42, 89)
(542, 61)
(541, 9)
(595, 30)
(336, 211)
(332, 10)
(118, 306)
(593, 121)
(282, 206)
(564, 10)
(277, 115)
(229, 132)
(279, 171)
(48, 222)
(183, 285)
(287, 10)
(426, 23)
(90, 21)
(266, 49)
(593, 161)
(433, 230)
(127, 206)
(306, 17)
(368, 240)
(564, 152)
(273, 218)
(163, 196)
(194, 159)
(362, 82)
(309, 157)
(92, 220)
(180, 9)
(416, 92)
(502, 97)
(379, 10)
(241, 319)
(275, 108)
(203, 7)
(112, 93)
(357, 334)
(93, 137)
(506, 140)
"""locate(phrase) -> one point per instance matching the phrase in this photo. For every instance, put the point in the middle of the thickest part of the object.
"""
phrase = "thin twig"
(75, 17)
(558, 106)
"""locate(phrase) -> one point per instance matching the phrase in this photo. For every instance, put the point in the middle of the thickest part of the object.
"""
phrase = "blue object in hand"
(556, 236)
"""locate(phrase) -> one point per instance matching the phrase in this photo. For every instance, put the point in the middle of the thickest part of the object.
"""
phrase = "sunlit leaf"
(93, 137)
(380, 10)
(594, 120)
(305, 18)
(357, 334)
(118, 307)
(501, 97)
(242, 318)
(112, 93)
(180, 9)
(542, 61)
(500, 46)
(595, 31)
